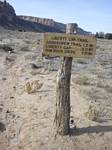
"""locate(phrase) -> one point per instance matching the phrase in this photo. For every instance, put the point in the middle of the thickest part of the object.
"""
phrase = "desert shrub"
(108, 89)
(6, 48)
(102, 49)
(100, 35)
(108, 36)
(82, 61)
(27, 42)
(103, 84)
(83, 80)
(21, 30)
(25, 49)
(9, 59)
(97, 47)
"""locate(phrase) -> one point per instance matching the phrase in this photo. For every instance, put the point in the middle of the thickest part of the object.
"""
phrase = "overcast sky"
(91, 15)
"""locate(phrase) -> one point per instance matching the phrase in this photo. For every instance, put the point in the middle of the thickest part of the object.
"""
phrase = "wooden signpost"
(68, 46)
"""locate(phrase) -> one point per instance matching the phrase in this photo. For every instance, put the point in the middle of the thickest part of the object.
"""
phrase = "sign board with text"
(67, 45)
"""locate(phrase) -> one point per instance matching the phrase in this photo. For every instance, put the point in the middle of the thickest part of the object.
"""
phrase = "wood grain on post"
(62, 116)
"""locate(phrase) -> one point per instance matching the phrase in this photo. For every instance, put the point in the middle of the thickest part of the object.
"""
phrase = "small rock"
(8, 112)
(13, 115)
(101, 134)
(4, 79)
(11, 97)
(34, 66)
(18, 116)
(14, 87)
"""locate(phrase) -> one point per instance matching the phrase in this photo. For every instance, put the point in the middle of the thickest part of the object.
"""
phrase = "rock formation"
(9, 20)
(44, 21)
(7, 11)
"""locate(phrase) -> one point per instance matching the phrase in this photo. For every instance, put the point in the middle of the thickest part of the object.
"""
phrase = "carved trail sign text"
(67, 45)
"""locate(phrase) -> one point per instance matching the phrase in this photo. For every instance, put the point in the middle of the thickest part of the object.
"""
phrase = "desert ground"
(28, 96)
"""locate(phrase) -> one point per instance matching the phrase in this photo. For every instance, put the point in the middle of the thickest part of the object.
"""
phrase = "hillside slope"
(9, 20)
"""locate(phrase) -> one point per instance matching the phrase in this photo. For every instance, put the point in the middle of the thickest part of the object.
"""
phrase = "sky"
(91, 15)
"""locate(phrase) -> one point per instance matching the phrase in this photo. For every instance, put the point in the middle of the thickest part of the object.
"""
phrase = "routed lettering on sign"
(66, 45)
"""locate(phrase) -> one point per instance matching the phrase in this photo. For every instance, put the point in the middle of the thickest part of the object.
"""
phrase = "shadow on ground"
(2, 127)
(91, 129)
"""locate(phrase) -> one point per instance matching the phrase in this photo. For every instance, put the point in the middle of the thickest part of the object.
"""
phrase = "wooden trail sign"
(67, 45)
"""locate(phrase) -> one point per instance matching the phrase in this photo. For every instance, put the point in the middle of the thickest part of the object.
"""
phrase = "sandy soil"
(26, 120)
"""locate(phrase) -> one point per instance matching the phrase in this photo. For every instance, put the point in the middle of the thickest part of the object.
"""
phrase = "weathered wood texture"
(62, 116)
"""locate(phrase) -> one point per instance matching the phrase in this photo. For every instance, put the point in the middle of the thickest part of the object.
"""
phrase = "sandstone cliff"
(44, 21)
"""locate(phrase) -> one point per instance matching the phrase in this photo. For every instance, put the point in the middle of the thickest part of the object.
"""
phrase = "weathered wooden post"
(67, 46)
(62, 116)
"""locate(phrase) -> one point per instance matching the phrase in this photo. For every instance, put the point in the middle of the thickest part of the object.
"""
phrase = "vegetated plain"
(27, 96)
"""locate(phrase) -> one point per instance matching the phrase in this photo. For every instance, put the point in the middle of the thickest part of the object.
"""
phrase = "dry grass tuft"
(96, 112)
(92, 113)
(83, 80)
(33, 86)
